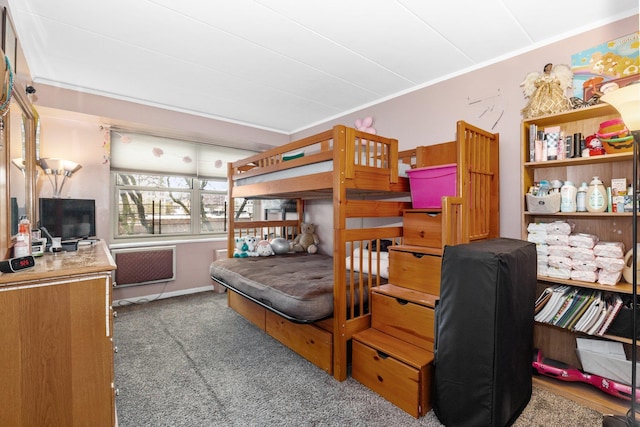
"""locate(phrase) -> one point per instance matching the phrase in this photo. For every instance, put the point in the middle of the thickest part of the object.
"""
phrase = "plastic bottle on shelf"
(596, 196)
(568, 194)
(581, 198)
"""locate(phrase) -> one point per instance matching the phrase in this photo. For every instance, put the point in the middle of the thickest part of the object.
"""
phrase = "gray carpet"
(192, 361)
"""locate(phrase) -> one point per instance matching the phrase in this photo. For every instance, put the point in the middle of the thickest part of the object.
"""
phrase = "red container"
(429, 184)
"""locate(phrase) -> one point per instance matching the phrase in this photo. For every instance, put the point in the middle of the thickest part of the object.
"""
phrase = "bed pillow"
(384, 245)
(292, 155)
(384, 262)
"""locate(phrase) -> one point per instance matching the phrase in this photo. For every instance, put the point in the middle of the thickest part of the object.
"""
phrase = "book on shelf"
(532, 141)
(599, 318)
(587, 319)
(594, 315)
(553, 305)
(543, 299)
(578, 309)
(614, 308)
(588, 300)
(578, 306)
(568, 302)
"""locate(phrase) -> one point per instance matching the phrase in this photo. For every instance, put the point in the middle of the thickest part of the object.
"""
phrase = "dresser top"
(94, 258)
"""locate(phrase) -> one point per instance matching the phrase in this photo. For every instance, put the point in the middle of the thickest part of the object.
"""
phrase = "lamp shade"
(19, 163)
(627, 101)
(59, 166)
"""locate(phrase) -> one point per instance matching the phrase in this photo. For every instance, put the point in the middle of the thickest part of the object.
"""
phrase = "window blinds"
(156, 154)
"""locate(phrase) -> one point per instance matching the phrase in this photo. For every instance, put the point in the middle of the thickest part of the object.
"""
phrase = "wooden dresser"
(395, 356)
(56, 331)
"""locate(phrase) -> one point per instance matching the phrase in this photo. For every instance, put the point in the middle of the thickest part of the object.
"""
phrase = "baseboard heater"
(144, 265)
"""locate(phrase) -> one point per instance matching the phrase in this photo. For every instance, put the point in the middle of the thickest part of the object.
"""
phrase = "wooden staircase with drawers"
(395, 356)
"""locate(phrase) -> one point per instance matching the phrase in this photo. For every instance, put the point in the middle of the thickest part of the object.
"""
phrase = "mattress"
(361, 260)
(304, 170)
(299, 286)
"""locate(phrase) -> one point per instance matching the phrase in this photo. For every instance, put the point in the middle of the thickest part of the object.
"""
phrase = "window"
(169, 187)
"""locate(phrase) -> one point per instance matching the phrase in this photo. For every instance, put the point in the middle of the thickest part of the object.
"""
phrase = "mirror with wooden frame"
(18, 145)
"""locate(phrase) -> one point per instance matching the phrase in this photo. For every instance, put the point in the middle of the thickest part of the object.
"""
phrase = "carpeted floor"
(192, 361)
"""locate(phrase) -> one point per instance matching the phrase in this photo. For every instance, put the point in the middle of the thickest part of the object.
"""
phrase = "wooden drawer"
(422, 228)
(309, 341)
(246, 308)
(415, 269)
(410, 321)
(396, 370)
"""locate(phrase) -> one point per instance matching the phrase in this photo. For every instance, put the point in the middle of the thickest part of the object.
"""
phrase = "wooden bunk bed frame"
(476, 153)
(363, 179)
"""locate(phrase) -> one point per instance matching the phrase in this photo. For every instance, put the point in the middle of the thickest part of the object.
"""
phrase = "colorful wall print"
(606, 67)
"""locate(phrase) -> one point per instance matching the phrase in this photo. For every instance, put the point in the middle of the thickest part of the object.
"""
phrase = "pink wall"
(428, 116)
(423, 117)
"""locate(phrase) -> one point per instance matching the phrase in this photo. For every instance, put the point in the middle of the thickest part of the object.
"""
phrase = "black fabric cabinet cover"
(484, 332)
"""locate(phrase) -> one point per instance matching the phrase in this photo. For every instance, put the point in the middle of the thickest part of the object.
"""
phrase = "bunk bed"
(362, 175)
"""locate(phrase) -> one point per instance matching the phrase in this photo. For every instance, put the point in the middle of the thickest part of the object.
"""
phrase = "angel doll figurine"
(547, 92)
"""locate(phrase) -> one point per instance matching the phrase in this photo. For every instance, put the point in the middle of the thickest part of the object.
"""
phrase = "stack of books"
(579, 309)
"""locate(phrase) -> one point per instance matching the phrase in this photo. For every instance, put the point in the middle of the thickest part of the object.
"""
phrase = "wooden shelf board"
(584, 394)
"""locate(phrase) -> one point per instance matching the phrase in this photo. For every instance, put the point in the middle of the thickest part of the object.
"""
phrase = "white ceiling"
(283, 65)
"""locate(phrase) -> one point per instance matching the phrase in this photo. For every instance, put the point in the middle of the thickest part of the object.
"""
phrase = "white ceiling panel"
(486, 30)
(282, 64)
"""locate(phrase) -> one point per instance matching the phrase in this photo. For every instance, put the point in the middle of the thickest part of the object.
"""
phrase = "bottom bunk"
(300, 300)
(313, 341)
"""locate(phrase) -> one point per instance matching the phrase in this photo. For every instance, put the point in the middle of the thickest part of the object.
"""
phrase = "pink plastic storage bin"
(429, 184)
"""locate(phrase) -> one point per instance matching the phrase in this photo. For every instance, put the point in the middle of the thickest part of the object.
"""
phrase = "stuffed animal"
(280, 245)
(307, 240)
(240, 250)
(263, 248)
(365, 125)
(252, 245)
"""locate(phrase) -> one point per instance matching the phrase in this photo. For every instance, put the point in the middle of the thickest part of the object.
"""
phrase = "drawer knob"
(422, 233)
(380, 378)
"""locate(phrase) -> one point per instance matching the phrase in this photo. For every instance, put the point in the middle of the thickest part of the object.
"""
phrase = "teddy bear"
(240, 250)
(252, 245)
(263, 248)
(307, 240)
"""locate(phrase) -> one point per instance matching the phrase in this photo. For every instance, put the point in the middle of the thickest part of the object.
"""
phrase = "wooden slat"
(375, 208)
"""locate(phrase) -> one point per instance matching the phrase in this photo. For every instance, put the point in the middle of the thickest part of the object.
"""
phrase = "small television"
(68, 218)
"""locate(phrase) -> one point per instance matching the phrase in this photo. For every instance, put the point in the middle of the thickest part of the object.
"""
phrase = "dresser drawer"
(403, 319)
(405, 383)
(422, 228)
(415, 269)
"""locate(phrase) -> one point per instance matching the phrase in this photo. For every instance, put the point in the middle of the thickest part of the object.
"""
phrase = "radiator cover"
(144, 265)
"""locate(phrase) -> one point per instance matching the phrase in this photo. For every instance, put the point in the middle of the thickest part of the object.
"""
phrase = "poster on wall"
(606, 66)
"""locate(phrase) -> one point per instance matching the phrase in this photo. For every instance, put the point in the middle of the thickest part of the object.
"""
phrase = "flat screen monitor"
(68, 218)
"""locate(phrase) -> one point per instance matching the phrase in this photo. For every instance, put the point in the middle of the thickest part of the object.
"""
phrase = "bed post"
(478, 180)
(230, 209)
(339, 267)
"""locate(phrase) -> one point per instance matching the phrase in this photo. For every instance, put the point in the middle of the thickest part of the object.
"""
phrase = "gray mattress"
(298, 286)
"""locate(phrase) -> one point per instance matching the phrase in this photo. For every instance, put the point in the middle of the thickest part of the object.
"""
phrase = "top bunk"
(311, 168)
